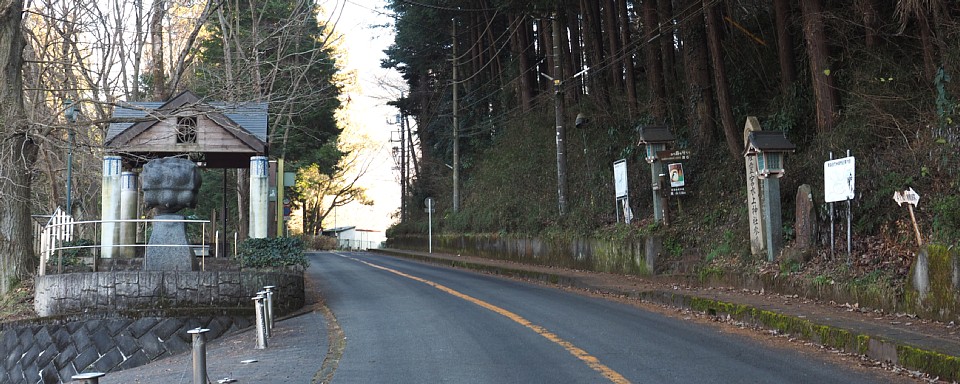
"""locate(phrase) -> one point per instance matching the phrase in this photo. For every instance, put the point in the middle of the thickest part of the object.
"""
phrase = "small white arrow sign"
(911, 197)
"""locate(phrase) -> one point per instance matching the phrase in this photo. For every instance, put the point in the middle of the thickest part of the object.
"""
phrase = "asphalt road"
(406, 322)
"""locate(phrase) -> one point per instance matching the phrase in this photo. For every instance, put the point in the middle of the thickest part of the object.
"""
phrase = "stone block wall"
(51, 351)
(139, 290)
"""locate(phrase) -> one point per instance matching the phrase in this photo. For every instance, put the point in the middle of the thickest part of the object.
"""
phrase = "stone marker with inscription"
(758, 243)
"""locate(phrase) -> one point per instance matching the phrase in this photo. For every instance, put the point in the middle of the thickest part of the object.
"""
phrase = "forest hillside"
(488, 79)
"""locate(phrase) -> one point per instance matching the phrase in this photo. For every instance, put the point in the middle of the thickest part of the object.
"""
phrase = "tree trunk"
(243, 202)
(593, 47)
(823, 84)
(928, 46)
(869, 10)
(699, 97)
(545, 40)
(566, 59)
(18, 152)
(611, 29)
(628, 67)
(668, 55)
(156, 45)
(576, 57)
(519, 48)
(788, 70)
(654, 66)
(730, 131)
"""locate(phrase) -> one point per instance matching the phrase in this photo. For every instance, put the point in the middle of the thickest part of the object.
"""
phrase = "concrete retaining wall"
(637, 257)
(133, 290)
(51, 351)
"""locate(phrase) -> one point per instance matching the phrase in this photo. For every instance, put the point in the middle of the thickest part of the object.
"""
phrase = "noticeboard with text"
(677, 179)
(839, 179)
(620, 178)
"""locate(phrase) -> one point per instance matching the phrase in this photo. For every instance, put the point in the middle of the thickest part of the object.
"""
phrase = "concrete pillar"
(259, 196)
(110, 206)
(129, 199)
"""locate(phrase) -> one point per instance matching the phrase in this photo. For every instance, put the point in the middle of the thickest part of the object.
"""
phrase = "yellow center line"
(590, 360)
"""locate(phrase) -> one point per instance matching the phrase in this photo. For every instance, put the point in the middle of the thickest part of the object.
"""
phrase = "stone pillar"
(754, 200)
(129, 199)
(259, 198)
(806, 223)
(772, 216)
(110, 206)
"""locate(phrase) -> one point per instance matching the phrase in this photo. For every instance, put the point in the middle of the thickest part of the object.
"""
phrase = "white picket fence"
(56, 231)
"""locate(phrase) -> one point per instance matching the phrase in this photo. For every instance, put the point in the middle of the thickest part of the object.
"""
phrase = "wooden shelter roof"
(228, 134)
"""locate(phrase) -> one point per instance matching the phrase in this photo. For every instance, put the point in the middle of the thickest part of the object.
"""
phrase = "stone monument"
(758, 241)
(169, 185)
(805, 227)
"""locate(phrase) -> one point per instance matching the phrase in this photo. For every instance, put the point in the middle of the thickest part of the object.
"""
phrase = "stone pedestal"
(165, 251)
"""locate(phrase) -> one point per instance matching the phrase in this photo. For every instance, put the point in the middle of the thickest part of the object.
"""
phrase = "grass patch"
(18, 303)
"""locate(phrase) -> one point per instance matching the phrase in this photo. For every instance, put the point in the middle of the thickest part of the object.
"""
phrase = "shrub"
(320, 243)
(72, 256)
(273, 253)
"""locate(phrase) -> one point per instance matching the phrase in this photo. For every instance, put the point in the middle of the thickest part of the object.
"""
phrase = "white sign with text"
(839, 179)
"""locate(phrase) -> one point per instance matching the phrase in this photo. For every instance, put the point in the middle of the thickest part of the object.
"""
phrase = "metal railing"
(54, 239)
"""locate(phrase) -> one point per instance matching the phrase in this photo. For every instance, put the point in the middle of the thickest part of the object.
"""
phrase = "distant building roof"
(337, 230)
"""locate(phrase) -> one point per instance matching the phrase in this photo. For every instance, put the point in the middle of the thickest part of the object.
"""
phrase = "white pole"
(848, 225)
(259, 196)
(430, 223)
(128, 211)
(110, 206)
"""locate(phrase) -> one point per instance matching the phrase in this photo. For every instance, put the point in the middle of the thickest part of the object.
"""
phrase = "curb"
(933, 363)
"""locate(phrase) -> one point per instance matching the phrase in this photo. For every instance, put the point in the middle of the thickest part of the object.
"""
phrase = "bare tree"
(320, 193)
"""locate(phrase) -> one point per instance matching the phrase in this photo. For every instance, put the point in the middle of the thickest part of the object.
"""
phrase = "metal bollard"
(269, 289)
(263, 314)
(88, 378)
(261, 327)
(199, 355)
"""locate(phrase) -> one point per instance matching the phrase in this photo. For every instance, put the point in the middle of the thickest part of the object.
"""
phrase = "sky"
(366, 114)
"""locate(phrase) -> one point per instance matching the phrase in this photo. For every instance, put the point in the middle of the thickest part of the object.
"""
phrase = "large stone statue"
(169, 185)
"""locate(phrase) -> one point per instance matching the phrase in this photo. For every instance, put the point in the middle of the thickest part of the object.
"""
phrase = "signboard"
(620, 178)
(675, 171)
(678, 155)
(909, 196)
(839, 179)
(674, 161)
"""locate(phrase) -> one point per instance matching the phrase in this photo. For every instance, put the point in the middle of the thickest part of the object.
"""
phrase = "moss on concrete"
(933, 363)
(939, 301)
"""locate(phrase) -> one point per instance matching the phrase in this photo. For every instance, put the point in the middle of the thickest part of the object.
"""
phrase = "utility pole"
(558, 102)
(403, 169)
(456, 127)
